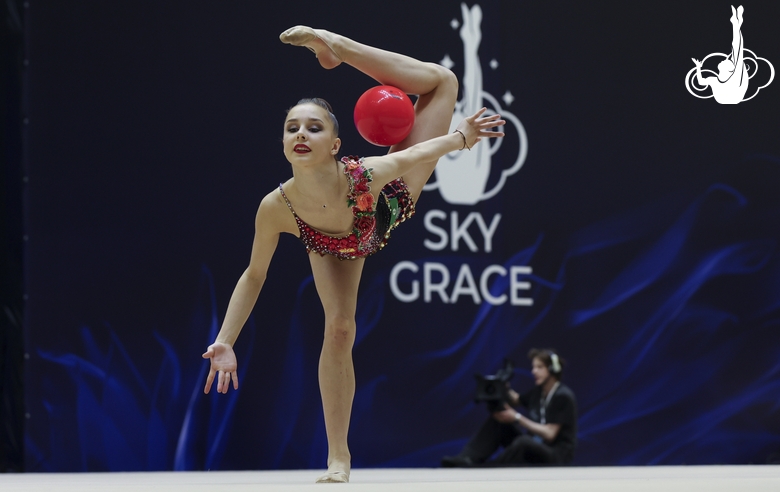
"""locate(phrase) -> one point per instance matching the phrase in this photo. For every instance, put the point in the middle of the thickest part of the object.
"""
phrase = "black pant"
(519, 448)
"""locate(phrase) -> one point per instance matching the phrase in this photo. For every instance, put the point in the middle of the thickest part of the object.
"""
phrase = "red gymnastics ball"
(384, 115)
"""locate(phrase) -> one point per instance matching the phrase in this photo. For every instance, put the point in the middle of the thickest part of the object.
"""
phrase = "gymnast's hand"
(476, 127)
(223, 360)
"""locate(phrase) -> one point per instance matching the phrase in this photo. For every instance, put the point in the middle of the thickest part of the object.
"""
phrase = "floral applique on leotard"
(372, 225)
(362, 202)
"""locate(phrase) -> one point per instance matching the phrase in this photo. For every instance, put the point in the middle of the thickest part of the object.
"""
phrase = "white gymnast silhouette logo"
(730, 84)
(461, 177)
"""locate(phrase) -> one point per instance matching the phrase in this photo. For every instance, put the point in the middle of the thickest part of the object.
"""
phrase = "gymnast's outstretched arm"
(223, 362)
(469, 132)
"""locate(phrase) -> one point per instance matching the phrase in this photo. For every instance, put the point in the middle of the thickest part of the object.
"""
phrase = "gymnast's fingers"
(209, 381)
(222, 385)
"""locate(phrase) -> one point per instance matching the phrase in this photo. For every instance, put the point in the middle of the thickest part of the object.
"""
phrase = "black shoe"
(457, 462)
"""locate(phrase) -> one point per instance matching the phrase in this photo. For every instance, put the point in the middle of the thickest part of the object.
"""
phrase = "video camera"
(494, 389)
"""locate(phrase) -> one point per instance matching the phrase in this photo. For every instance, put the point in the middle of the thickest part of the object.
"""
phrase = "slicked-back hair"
(318, 101)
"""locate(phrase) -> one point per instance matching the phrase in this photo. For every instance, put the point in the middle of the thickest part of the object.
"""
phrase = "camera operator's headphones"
(555, 366)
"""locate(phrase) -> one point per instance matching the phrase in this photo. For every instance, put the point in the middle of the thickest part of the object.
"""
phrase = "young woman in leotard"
(343, 211)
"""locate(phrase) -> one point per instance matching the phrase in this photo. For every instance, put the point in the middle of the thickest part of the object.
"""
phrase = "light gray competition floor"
(601, 479)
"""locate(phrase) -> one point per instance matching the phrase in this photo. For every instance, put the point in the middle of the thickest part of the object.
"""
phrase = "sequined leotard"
(372, 225)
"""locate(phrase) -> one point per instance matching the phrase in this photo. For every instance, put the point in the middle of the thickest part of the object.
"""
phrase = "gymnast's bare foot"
(338, 472)
(319, 41)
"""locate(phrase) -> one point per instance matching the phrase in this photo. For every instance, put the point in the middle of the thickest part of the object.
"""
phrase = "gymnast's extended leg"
(436, 86)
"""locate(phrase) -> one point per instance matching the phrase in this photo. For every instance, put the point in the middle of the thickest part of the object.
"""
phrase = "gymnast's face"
(539, 371)
(309, 135)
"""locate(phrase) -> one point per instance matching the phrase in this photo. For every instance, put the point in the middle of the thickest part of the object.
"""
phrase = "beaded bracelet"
(464, 140)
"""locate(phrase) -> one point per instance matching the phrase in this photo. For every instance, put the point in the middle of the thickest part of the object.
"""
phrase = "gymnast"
(343, 211)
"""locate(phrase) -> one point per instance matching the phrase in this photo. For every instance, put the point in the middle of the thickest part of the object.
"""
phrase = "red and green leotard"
(372, 225)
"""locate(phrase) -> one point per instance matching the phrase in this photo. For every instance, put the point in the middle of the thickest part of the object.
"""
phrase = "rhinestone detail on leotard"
(371, 227)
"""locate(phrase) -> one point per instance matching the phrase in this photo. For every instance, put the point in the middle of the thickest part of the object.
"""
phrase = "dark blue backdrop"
(635, 229)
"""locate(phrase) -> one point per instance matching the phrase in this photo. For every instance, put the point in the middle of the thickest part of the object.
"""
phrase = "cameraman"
(547, 435)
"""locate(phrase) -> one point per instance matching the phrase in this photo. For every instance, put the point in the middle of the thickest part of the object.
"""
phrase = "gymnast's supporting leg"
(436, 86)
(337, 285)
